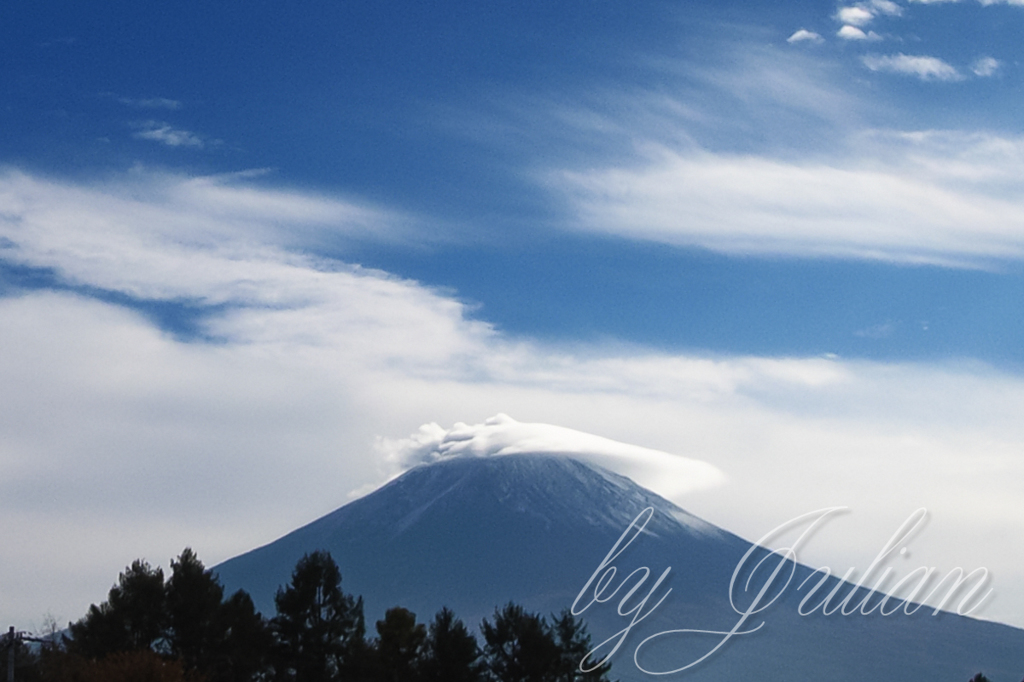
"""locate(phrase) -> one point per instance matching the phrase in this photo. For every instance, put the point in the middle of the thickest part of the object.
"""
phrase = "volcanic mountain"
(473, 533)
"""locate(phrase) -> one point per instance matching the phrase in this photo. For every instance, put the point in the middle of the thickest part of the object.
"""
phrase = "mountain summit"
(473, 533)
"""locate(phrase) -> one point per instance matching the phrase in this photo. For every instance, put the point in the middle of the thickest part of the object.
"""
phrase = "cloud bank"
(122, 440)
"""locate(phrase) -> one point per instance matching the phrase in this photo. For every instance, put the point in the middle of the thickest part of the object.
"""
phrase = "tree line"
(183, 629)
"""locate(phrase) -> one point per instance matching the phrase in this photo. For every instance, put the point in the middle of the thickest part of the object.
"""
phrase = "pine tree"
(398, 649)
(194, 597)
(244, 641)
(451, 652)
(574, 644)
(520, 646)
(319, 629)
(132, 618)
(184, 620)
(224, 641)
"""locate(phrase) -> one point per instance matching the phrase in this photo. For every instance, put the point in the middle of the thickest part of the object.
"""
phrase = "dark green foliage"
(979, 678)
(523, 647)
(398, 650)
(184, 619)
(573, 645)
(224, 641)
(183, 630)
(132, 618)
(520, 646)
(193, 601)
(451, 652)
(243, 644)
(319, 629)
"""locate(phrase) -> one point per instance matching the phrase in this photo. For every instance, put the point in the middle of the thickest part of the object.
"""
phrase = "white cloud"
(501, 435)
(854, 33)
(925, 68)
(803, 35)
(985, 66)
(771, 87)
(158, 131)
(855, 16)
(121, 441)
(937, 198)
(887, 7)
(200, 239)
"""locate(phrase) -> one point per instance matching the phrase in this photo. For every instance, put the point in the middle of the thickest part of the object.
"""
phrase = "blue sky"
(456, 117)
(243, 245)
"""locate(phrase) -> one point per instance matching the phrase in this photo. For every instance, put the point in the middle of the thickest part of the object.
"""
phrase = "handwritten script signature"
(767, 579)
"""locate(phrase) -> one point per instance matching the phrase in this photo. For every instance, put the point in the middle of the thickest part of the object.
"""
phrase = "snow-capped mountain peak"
(670, 475)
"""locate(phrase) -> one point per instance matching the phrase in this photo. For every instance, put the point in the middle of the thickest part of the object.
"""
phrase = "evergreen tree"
(319, 629)
(573, 645)
(451, 652)
(399, 646)
(520, 646)
(194, 598)
(184, 620)
(132, 618)
(244, 641)
(224, 641)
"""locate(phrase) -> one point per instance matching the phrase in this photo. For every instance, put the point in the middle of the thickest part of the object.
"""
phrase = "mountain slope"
(473, 533)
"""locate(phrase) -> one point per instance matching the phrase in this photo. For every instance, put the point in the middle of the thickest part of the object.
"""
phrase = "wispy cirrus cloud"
(152, 222)
(926, 196)
(165, 133)
(150, 103)
(943, 198)
(924, 67)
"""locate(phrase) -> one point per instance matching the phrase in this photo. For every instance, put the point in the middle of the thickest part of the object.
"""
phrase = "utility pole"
(10, 654)
(11, 641)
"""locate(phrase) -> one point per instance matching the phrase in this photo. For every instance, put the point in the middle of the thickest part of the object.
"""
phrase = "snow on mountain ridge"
(523, 524)
(528, 482)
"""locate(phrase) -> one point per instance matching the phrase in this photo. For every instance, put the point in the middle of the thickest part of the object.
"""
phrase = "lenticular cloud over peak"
(668, 474)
